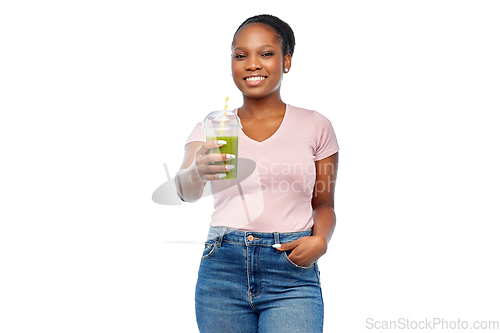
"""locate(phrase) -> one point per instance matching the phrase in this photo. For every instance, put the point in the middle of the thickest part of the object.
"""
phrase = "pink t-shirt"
(277, 195)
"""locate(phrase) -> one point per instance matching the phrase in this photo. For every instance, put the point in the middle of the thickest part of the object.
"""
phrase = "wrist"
(322, 241)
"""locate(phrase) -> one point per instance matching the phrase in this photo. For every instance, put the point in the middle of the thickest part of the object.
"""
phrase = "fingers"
(212, 158)
(215, 168)
(285, 246)
(205, 177)
(215, 172)
(205, 162)
(206, 146)
(215, 176)
(206, 156)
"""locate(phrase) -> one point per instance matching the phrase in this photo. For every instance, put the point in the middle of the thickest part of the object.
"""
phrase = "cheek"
(235, 73)
(235, 66)
(275, 66)
(277, 72)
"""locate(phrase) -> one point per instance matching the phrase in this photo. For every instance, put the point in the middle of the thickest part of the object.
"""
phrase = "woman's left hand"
(306, 250)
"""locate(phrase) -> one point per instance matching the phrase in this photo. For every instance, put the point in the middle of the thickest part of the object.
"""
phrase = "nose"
(253, 64)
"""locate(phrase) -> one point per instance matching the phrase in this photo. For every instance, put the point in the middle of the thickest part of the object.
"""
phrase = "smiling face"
(258, 62)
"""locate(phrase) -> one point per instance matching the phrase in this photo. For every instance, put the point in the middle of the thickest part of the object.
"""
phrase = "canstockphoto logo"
(253, 182)
(166, 193)
(252, 203)
(256, 178)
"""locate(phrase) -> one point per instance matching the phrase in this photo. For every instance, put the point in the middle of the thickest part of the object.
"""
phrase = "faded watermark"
(431, 324)
(253, 182)
(271, 177)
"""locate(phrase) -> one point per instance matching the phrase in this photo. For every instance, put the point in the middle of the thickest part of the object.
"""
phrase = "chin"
(255, 95)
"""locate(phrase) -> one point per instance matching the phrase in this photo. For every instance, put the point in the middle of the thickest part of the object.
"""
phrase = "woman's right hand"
(203, 167)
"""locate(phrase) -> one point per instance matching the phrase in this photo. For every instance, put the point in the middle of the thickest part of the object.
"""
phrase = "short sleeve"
(325, 138)
(196, 135)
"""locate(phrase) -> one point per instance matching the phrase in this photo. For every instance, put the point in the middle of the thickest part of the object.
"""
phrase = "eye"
(239, 56)
(267, 54)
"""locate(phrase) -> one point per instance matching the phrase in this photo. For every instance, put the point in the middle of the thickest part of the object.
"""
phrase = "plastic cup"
(219, 127)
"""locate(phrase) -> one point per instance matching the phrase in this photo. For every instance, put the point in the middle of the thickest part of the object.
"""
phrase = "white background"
(97, 95)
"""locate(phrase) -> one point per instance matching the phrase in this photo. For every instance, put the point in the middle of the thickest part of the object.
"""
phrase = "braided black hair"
(282, 29)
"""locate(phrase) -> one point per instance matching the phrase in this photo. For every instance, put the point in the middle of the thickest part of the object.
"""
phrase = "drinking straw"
(224, 116)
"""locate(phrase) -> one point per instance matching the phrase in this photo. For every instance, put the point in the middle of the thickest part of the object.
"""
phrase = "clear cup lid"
(217, 118)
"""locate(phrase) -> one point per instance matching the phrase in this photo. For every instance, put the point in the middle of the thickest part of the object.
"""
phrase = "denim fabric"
(245, 285)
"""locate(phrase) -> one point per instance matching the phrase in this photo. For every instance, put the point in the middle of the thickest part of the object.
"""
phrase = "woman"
(246, 281)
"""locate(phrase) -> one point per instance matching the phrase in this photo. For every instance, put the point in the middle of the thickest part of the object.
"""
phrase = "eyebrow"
(266, 45)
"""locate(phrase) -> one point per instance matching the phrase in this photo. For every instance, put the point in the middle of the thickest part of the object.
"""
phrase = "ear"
(287, 61)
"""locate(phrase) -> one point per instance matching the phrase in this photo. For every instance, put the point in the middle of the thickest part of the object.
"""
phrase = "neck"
(261, 108)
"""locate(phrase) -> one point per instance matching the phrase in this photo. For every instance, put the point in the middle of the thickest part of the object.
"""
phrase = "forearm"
(324, 222)
(188, 188)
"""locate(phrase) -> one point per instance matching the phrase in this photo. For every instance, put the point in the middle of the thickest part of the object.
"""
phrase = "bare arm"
(307, 250)
(323, 197)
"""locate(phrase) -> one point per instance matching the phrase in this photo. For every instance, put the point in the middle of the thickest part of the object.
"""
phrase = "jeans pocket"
(209, 249)
(287, 253)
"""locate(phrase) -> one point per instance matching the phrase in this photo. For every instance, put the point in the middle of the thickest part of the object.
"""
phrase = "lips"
(255, 79)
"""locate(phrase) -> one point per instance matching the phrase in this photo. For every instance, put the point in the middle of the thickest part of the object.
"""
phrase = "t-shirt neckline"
(275, 133)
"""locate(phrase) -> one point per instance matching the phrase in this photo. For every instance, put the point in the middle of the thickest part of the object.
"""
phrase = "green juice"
(231, 147)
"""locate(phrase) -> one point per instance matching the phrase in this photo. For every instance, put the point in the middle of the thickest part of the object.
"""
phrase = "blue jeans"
(245, 285)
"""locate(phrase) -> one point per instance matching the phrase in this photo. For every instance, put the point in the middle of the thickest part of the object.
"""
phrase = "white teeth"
(255, 78)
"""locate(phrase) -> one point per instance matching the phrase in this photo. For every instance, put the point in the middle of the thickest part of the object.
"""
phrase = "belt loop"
(276, 238)
(221, 236)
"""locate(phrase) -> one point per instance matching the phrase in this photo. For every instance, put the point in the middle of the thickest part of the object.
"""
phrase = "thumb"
(285, 246)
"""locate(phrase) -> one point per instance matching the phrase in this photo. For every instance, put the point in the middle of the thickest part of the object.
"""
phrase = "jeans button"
(250, 238)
